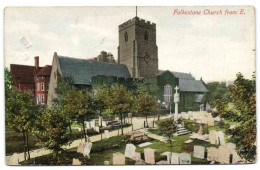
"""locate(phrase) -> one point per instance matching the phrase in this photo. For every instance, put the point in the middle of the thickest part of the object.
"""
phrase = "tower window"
(146, 36)
(126, 37)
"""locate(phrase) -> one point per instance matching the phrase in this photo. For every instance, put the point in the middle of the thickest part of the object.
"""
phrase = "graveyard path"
(137, 125)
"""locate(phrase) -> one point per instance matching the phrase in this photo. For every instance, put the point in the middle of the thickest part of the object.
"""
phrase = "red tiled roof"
(23, 73)
(45, 71)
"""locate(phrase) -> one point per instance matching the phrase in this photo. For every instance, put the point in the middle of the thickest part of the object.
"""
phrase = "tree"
(79, 104)
(243, 95)
(20, 116)
(102, 100)
(144, 103)
(9, 80)
(168, 128)
(119, 102)
(52, 131)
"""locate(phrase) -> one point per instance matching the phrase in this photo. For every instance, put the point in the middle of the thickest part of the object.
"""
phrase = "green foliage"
(217, 91)
(9, 80)
(243, 95)
(52, 131)
(168, 128)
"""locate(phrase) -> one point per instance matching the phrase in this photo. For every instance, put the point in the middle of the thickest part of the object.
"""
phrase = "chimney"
(36, 62)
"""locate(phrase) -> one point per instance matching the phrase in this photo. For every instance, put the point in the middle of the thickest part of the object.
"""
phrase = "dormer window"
(146, 36)
(126, 37)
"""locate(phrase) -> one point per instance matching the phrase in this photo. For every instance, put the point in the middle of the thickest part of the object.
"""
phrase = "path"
(137, 124)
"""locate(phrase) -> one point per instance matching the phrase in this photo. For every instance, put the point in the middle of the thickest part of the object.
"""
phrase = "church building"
(137, 64)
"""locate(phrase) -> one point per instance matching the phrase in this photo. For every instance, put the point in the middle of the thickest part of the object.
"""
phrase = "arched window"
(167, 94)
(146, 36)
(42, 99)
(126, 37)
(42, 86)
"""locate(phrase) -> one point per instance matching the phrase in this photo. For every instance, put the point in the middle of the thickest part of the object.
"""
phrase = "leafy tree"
(119, 102)
(20, 116)
(144, 103)
(9, 80)
(79, 105)
(243, 95)
(168, 128)
(52, 131)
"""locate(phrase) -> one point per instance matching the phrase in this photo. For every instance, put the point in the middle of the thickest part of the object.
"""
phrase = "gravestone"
(130, 151)
(212, 154)
(185, 158)
(175, 158)
(81, 147)
(76, 162)
(199, 152)
(137, 156)
(213, 139)
(169, 155)
(104, 123)
(144, 144)
(106, 162)
(204, 120)
(118, 159)
(221, 137)
(106, 134)
(231, 146)
(188, 141)
(211, 121)
(97, 129)
(149, 156)
(13, 160)
(88, 125)
(87, 150)
(93, 123)
(223, 155)
(162, 163)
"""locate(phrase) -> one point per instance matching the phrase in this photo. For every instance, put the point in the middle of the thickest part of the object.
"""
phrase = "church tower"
(137, 48)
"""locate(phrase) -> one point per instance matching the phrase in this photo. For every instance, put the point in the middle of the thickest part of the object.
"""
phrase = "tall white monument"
(176, 101)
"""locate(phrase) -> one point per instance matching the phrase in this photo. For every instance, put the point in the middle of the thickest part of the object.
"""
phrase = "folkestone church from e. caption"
(137, 66)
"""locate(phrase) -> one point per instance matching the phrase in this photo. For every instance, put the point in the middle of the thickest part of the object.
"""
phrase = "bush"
(106, 144)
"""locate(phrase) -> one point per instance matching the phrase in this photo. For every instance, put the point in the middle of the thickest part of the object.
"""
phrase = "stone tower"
(137, 48)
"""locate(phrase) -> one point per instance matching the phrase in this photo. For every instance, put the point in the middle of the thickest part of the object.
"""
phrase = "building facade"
(32, 78)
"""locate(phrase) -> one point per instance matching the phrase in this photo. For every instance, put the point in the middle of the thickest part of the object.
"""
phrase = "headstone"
(149, 156)
(13, 160)
(106, 162)
(221, 137)
(144, 144)
(162, 163)
(188, 141)
(223, 155)
(97, 129)
(100, 119)
(211, 122)
(130, 151)
(213, 138)
(88, 125)
(175, 158)
(212, 154)
(87, 149)
(231, 146)
(104, 124)
(185, 158)
(118, 159)
(236, 158)
(199, 152)
(106, 134)
(93, 123)
(81, 147)
(76, 162)
(169, 155)
(137, 156)
(204, 120)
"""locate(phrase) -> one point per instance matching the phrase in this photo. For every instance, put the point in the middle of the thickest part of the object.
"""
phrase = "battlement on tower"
(137, 21)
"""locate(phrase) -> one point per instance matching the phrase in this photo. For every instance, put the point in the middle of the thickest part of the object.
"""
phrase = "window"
(42, 86)
(38, 99)
(126, 37)
(167, 93)
(42, 99)
(146, 36)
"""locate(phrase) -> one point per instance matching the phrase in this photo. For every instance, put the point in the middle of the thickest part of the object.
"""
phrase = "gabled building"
(32, 78)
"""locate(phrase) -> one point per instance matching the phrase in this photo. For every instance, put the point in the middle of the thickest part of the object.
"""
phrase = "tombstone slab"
(144, 144)
(118, 159)
(87, 149)
(223, 155)
(149, 156)
(76, 162)
(185, 158)
(169, 155)
(81, 147)
(199, 152)
(162, 163)
(13, 160)
(130, 151)
(212, 154)
(175, 158)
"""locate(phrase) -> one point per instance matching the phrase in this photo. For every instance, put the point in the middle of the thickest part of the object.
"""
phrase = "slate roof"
(180, 75)
(192, 86)
(81, 70)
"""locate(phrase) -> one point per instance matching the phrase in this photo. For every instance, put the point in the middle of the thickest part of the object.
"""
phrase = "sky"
(214, 47)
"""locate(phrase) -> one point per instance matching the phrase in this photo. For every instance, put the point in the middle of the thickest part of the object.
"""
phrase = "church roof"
(82, 70)
(192, 86)
(180, 75)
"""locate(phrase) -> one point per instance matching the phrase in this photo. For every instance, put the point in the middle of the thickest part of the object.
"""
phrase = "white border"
(117, 3)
